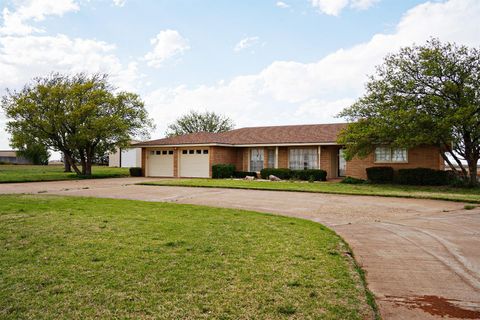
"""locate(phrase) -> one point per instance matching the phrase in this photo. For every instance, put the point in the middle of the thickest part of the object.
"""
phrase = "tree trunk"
(88, 166)
(83, 162)
(72, 164)
(67, 165)
(472, 167)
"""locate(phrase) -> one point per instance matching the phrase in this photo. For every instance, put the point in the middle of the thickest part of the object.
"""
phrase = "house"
(11, 157)
(126, 157)
(255, 148)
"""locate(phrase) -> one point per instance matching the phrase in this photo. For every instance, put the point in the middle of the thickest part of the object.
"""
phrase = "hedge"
(310, 174)
(222, 171)
(282, 173)
(135, 172)
(380, 174)
(423, 177)
(287, 174)
(243, 174)
(352, 180)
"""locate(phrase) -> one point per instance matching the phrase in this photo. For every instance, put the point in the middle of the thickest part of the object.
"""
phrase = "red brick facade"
(424, 157)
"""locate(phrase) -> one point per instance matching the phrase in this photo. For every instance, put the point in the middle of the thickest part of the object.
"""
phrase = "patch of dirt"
(437, 306)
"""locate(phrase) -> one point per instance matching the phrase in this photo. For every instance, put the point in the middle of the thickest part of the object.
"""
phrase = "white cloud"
(22, 58)
(293, 92)
(334, 7)
(15, 23)
(119, 3)
(246, 43)
(282, 5)
(166, 45)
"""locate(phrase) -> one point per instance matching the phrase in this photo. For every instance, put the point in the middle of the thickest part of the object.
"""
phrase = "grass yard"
(86, 258)
(30, 173)
(438, 193)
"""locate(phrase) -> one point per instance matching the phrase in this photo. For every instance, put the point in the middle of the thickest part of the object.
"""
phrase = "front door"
(342, 164)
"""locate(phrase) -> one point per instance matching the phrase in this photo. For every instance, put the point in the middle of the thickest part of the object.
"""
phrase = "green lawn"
(29, 173)
(439, 193)
(87, 258)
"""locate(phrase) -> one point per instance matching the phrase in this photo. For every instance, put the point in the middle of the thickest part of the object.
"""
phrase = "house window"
(184, 151)
(164, 152)
(256, 159)
(271, 158)
(205, 151)
(191, 151)
(159, 152)
(170, 151)
(387, 154)
(198, 151)
(302, 159)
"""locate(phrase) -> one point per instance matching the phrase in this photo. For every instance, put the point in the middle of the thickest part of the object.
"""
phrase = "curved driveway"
(422, 257)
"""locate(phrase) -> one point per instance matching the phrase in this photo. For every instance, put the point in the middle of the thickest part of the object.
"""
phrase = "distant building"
(126, 157)
(10, 156)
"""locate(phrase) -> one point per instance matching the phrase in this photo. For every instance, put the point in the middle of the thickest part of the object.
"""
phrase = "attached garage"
(160, 163)
(195, 163)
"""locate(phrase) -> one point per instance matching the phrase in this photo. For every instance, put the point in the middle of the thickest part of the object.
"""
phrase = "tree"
(199, 122)
(426, 94)
(38, 154)
(78, 115)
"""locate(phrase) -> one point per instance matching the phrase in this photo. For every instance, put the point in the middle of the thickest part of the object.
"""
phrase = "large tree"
(428, 94)
(79, 115)
(199, 122)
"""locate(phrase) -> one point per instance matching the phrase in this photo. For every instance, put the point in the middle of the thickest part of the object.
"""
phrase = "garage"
(195, 163)
(160, 163)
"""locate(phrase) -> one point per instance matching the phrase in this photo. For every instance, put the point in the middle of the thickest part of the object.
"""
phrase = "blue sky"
(259, 62)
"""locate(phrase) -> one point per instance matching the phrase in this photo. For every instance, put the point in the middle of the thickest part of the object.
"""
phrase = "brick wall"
(419, 157)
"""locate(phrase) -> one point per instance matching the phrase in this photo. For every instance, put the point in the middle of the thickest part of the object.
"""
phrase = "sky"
(259, 62)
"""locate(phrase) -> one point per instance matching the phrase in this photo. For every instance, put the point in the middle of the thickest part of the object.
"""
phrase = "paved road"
(422, 257)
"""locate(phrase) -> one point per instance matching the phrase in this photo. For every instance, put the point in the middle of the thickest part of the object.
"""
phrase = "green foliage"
(287, 174)
(426, 94)
(81, 116)
(380, 174)
(423, 177)
(199, 122)
(243, 174)
(282, 173)
(38, 154)
(135, 172)
(310, 174)
(352, 180)
(223, 171)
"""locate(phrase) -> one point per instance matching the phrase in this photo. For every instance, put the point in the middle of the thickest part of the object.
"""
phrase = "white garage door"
(160, 163)
(194, 163)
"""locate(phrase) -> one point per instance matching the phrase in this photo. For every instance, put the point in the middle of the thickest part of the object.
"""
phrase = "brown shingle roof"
(312, 133)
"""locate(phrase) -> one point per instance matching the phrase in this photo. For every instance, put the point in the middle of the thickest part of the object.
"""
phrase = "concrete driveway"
(422, 257)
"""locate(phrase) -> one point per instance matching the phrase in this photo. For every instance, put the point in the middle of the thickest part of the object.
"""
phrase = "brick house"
(255, 148)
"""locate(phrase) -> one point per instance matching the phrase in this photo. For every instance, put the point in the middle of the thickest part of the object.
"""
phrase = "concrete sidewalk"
(422, 257)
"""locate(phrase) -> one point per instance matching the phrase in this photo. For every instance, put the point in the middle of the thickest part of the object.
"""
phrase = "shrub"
(135, 172)
(352, 180)
(380, 174)
(243, 174)
(282, 173)
(310, 174)
(423, 177)
(222, 171)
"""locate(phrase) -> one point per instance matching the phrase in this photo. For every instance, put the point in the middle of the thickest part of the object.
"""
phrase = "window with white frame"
(271, 158)
(301, 159)
(387, 154)
(256, 159)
